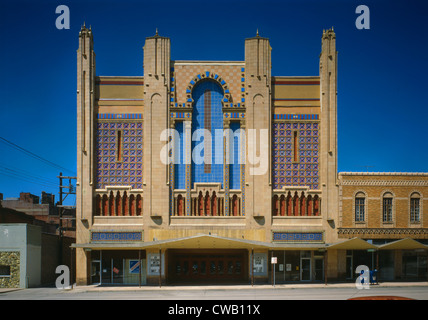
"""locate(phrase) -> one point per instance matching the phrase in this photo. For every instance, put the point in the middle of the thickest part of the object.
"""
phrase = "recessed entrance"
(207, 266)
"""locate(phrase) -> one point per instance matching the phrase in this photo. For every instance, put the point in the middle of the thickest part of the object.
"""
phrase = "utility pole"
(62, 196)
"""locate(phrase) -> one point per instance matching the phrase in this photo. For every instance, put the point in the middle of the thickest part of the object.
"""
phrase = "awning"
(193, 242)
(352, 244)
(403, 244)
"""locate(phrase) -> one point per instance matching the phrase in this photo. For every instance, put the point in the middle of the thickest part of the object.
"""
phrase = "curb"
(241, 287)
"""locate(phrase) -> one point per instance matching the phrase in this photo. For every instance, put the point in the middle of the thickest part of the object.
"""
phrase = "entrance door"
(208, 266)
(305, 267)
(349, 265)
(319, 269)
(95, 272)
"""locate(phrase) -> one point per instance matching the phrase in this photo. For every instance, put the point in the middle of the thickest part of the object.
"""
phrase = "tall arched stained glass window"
(208, 115)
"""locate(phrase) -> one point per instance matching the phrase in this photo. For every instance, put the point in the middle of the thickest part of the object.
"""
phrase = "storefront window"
(118, 267)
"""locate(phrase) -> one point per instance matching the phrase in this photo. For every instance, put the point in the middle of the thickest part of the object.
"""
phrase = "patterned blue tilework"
(180, 166)
(297, 237)
(128, 170)
(304, 171)
(234, 167)
(295, 117)
(200, 172)
(116, 236)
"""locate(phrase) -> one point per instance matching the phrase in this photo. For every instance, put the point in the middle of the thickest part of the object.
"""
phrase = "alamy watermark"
(218, 148)
(63, 20)
(63, 280)
(363, 20)
(365, 277)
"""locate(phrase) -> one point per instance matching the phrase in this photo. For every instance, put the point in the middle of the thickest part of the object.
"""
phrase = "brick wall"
(373, 187)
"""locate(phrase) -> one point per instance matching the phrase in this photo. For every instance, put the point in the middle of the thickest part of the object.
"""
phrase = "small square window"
(4, 271)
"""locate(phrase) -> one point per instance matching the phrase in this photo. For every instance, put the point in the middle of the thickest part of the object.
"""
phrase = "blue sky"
(382, 82)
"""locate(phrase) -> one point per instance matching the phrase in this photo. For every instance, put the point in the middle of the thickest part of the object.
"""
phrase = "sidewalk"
(112, 288)
(106, 288)
(4, 290)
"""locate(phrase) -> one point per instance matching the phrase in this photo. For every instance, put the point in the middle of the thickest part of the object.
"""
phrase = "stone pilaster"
(85, 150)
(258, 119)
(328, 123)
(157, 60)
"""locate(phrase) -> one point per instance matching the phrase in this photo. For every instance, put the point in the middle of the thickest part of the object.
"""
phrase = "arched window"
(387, 207)
(200, 204)
(235, 205)
(310, 206)
(282, 205)
(139, 205)
(296, 204)
(316, 206)
(415, 207)
(214, 204)
(105, 205)
(132, 205)
(360, 207)
(180, 206)
(118, 204)
(98, 205)
(302, 205)
(207, 204)
(289, 205)
(125, 204)
(275, 205)
(111, 204)
(207, 114)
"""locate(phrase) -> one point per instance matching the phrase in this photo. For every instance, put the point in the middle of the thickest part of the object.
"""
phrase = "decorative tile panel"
(302, 168)
(111, 236)
(297, 237)
(126, 170)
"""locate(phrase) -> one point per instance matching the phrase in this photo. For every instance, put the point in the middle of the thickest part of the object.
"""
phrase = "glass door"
(319, 269)
(305, 267)
(95, 272)
(349, 265)
(117, 271)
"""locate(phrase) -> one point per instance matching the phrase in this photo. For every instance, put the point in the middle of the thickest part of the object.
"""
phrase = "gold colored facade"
(143, 220)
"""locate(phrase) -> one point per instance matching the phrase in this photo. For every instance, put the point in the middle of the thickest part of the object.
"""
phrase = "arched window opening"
(139, 205)
(200, 204)
(132, 205)
(98, 205)
(415, 207)
(275, 205)
(235, 205)
(289, 205)
(316, 206)
(214, 204)
(105, 205)
(310, 206)
(302, 205)
(207, 204)
(387, 207)
(125, 204)
(180, 205)
(118, 204)
(111, 204)
(282, 205)
(296, 205)
(360, 203)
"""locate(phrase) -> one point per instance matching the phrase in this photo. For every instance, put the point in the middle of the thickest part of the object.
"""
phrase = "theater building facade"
(203, 171)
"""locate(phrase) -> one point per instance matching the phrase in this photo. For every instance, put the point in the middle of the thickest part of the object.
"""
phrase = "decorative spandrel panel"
(295, 151)
(119, 150)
